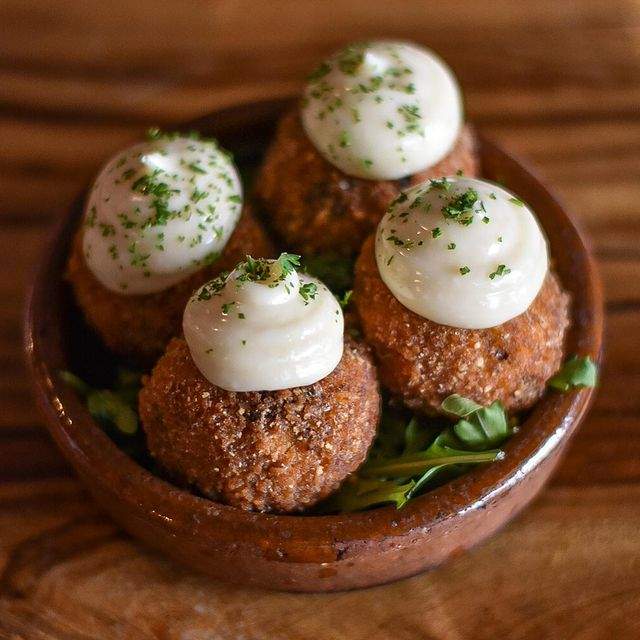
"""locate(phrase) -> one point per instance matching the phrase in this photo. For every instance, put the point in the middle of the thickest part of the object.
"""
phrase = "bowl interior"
(57, 338)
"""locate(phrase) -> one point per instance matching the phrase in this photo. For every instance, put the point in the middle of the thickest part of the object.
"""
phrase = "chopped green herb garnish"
(501, 270)
(198, 195)
(320, 72)
(196, 168)
(350, 58)
(288, 262)
(308, 291)
(460, 207)
(213, 287)
(440, 183)
(398, 242)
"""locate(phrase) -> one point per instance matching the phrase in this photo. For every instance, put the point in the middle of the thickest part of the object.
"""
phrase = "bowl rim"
(94, 454)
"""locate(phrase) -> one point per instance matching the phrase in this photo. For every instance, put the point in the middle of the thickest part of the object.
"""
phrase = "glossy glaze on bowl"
(308, 553)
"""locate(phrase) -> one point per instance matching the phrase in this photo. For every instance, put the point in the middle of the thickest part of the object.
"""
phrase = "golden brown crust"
(316, 208)
(139, 326)
(423, 362)
(264, 451)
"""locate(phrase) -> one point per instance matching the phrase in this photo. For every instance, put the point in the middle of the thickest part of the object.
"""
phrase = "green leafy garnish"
(319, 72)
(357, 494)
(575, 373)
(479, 428)
(501, 270)
(459, 406)
(408, 458)
(107, 407)
(111, 407)
(213, 287)
(308, 291)
(351, 57)
(334, 270)
(288, 262)
(345, 298)
(460, 207)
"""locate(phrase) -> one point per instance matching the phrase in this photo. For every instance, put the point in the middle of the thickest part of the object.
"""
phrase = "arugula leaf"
(410, 457)
(416, 437)
(345, 298)
(575, 373)
(479, 428)
(109, 408)
(434, 456)
(459, 406)
(390, 441)
(334, 270)
(359, 494)
(112, 407)
(76, 383)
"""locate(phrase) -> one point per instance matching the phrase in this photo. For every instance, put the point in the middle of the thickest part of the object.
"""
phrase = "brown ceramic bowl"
(308, 553)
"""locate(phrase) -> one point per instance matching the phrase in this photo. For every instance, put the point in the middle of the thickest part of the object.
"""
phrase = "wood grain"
(558, 82)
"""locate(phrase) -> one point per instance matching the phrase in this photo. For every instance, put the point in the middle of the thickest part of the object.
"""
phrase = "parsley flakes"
(501, 270)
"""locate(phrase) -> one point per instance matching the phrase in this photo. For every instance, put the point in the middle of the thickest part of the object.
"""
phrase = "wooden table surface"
(557, 82)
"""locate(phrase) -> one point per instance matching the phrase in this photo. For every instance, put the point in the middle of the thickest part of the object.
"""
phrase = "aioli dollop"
(462, 252)
(383, 110)
(264, 327)
(159, 211)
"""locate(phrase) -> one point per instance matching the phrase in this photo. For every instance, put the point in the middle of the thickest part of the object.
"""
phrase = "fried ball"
(139, 326)
(316, 208)
(423, 362)
(276, 451)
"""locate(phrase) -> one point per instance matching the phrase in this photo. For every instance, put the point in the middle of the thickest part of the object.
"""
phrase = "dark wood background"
(557, 82)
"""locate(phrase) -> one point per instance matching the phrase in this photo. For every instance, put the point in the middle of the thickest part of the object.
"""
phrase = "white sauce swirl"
(462, 252)
(281, 330)
(158, 212)
(383, 110)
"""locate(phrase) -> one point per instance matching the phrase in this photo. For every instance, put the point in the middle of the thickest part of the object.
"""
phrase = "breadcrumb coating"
(316, 208)
(140, 326)
(423, 362)
(279, 451)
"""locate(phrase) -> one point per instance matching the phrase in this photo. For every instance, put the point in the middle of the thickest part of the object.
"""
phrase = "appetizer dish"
(374, 119)
(338, 375)
(455, 295)
(264, 404)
